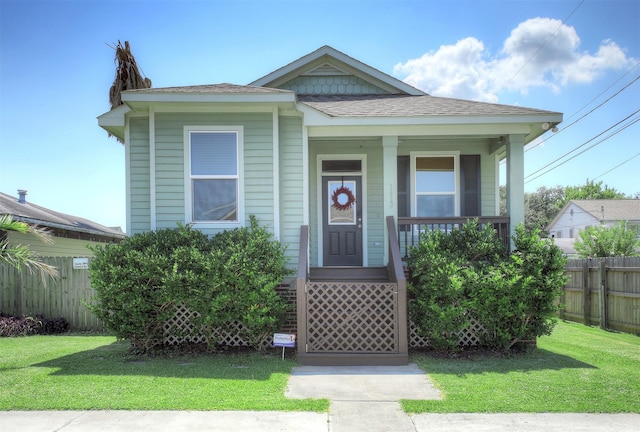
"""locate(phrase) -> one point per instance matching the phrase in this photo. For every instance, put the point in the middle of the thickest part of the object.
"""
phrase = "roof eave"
(173, 97)
(114, 121)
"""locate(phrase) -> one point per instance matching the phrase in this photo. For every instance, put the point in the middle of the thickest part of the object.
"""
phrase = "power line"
(600, 105)
(583, 144)
(588, 148)
(617, 166)
(541, 46)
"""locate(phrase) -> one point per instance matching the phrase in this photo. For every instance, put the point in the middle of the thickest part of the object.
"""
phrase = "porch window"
(435, 185)
(214, 181)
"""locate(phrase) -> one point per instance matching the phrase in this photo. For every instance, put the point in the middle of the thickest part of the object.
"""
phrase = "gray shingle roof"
(224, 88)
(405, 105)
(614, 210)
(33, 213)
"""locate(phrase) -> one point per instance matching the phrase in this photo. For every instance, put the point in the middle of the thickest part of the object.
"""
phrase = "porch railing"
(410, 228)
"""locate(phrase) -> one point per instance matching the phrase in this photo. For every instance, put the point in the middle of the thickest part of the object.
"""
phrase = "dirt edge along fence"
(604, 292)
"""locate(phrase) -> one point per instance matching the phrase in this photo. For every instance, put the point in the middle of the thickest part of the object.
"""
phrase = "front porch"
(358, 315)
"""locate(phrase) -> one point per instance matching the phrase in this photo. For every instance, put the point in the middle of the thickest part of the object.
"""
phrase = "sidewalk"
(362, 399)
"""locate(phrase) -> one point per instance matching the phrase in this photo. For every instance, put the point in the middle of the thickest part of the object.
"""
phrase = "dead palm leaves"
(128, 76)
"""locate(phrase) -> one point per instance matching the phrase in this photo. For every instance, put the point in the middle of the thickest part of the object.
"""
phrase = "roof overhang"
(531, 126)
(114, 121)
(136, 102)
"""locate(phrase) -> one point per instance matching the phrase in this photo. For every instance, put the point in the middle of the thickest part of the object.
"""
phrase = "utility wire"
(583, 144)
(541, 46)
(617, 166)
(598, 106)
(588, 148)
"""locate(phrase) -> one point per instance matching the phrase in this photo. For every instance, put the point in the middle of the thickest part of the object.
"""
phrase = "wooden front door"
(342, 220)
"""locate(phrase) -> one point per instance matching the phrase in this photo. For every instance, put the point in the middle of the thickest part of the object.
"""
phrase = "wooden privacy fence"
(25, 294)
(604, 291)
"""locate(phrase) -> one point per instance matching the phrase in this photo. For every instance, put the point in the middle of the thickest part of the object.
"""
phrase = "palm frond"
(128, 76)
(20, 256)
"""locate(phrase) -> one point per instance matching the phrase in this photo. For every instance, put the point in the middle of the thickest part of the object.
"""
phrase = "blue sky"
(564, 55)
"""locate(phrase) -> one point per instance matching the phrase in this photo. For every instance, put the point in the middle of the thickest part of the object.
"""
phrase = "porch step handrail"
(396, 273)
(301, 284)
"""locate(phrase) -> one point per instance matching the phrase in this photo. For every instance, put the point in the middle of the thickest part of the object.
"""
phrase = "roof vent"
(22, 196)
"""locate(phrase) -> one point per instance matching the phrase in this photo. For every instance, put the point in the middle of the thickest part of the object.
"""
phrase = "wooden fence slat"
(24, 294)
(586, 294)
(615, 281)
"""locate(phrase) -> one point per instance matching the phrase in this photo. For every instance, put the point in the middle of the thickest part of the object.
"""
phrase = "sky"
(578, 57)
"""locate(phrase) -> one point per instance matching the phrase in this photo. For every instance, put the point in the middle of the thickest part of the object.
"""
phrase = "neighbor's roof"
(628, 209)
(38, 215)
(408, 106)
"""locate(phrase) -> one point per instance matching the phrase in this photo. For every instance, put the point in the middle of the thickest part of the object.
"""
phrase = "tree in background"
(541, 206)
(20, 256)
(591, 191)
(602, 241)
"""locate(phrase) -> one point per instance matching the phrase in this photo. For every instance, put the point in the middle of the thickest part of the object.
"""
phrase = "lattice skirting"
(351, 317)
(179, 329)
(467, 337)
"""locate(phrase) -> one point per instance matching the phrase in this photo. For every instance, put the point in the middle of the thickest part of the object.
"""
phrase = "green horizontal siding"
(139, 186)
(170, 169)
(291, 185)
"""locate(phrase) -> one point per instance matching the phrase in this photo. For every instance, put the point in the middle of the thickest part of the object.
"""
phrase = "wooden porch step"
(360, 274)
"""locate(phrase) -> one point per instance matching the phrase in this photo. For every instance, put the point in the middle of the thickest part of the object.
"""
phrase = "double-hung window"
(435, 185)
(214, 165)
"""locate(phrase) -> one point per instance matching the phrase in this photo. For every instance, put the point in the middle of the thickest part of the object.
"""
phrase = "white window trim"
(456, 174)
(239, 130)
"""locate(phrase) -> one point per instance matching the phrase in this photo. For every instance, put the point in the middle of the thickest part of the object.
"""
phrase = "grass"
(94, 372)
(577, 369)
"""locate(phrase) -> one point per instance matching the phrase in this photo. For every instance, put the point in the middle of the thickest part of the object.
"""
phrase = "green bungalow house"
(344, 163)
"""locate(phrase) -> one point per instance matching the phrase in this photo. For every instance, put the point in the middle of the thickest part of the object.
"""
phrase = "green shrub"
(230, 278)
(453, 280)
(603, 241)
(440, 267)
(247, 267)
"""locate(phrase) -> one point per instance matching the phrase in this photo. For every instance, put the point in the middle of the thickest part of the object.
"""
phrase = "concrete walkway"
(362, 399)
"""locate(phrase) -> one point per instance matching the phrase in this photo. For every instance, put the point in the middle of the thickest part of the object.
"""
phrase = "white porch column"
(390, 185)
(515, 181)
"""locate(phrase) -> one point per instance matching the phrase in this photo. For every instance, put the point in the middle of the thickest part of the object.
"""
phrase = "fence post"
(586, 293)
(603, 294)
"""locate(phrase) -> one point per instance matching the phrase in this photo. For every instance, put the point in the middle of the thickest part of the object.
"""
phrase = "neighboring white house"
(577, 215)
(71, 234)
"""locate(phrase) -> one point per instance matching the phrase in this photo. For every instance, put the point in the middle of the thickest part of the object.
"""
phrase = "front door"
(342, 220)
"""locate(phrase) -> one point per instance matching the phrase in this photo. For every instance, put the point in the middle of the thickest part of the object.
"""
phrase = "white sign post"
(284, 340)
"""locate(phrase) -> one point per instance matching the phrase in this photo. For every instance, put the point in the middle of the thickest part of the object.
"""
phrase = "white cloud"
(540, 52)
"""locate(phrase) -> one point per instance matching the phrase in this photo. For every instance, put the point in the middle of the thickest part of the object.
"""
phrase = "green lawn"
(93, 372)
(577, 369)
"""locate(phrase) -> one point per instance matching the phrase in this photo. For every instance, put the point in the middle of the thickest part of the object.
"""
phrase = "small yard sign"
(80, 263)
(284, 340)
